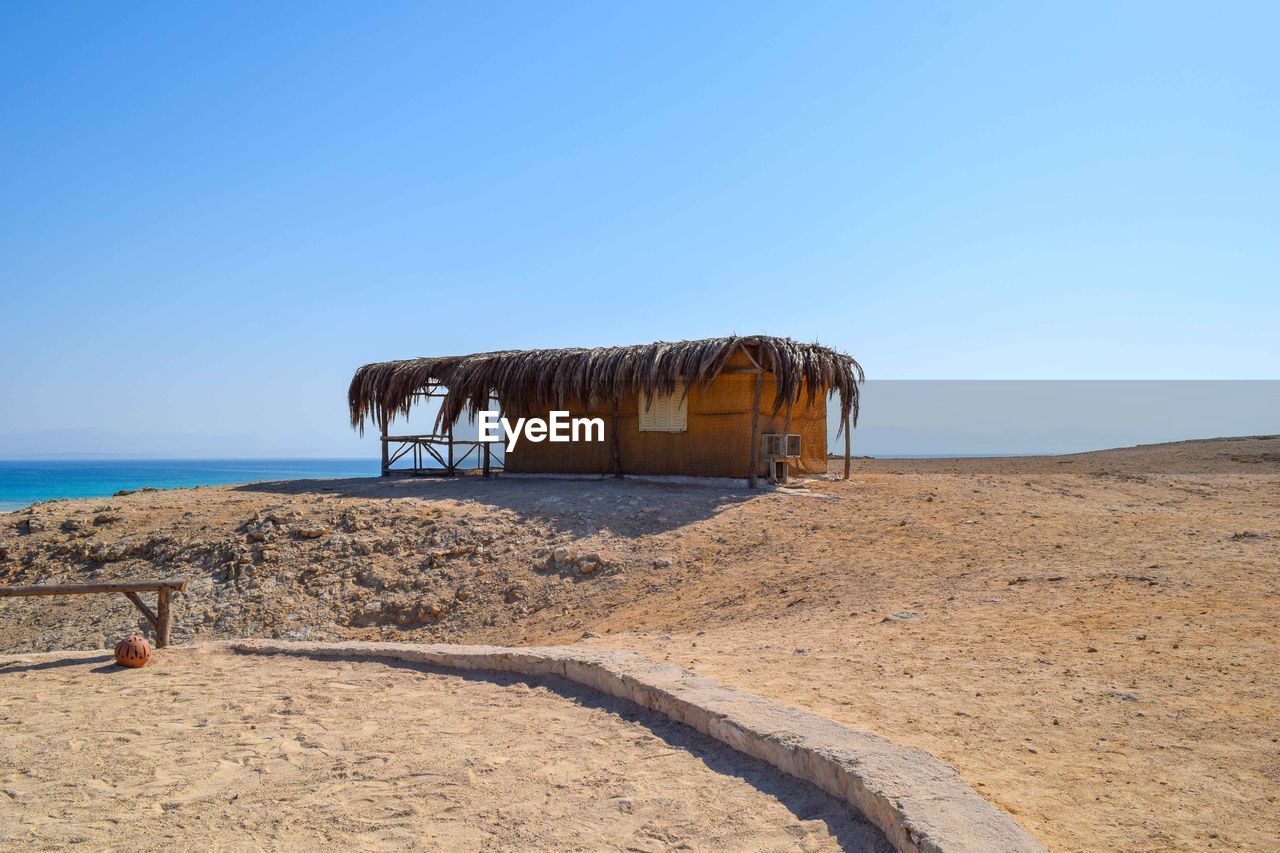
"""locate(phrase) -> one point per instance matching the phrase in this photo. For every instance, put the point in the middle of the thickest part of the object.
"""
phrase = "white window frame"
(665, 413)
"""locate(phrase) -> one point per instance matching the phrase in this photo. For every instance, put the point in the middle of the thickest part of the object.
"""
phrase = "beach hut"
(721, 407)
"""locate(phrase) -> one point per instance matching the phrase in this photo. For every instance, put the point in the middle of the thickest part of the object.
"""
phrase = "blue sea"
(24, 482)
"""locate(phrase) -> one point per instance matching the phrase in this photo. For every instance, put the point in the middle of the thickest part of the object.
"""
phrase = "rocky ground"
(1089, 639)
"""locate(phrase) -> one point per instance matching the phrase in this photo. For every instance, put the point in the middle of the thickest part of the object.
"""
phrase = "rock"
(661, 563)
(107, 552)
(587, 567)
(513, 594)
(311, 532)
(71, 525)
(901, 616)
(368, 613)
(106, 518)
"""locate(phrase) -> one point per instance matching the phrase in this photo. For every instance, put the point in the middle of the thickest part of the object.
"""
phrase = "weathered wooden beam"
(755, 431)
(147, 612)
(399, 453)
(164, 618)
(450, 437)
(847, 443)
(179, 584)
(386, 450)
(614, 453)
(433, 453)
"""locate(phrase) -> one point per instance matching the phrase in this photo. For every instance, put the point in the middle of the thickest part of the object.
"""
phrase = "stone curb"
(917, 801)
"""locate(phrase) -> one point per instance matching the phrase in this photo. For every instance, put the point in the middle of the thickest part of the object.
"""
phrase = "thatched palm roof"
(533, 380)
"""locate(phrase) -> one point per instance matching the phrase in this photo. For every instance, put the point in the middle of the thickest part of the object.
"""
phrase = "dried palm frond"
(525, 381)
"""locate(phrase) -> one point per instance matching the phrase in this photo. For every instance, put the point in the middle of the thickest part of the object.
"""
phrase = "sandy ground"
(210, 749)
(1089, 640)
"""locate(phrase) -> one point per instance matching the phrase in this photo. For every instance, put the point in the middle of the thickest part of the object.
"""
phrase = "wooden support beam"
(81, 588)
(755, 431)
(386, 450)
(616, 456)
(146, 611)
(161, 619)
(847, 442)
(164, 617)
(450, 466)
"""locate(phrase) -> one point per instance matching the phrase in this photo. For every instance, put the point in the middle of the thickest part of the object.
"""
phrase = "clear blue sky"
(210, 214)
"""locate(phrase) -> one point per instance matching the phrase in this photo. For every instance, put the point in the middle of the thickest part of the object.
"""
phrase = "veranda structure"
(450, 454)
(716, 407)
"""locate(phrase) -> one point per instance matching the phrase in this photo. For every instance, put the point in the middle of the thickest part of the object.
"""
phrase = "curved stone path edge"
(918, 802)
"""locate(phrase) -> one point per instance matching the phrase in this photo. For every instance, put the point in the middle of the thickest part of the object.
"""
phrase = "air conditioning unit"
(780, 446)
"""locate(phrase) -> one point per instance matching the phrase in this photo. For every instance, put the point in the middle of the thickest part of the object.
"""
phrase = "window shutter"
(679, 409)
(665, 413)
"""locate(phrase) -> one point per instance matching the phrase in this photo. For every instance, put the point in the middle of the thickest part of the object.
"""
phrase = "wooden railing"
(161, 619)
(449, 454)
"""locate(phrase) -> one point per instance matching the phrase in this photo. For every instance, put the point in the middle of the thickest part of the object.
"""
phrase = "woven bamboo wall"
(717, 442)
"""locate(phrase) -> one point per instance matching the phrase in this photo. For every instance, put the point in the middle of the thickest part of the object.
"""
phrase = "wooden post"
(386, 458)
(450, 434)
(844, 424)
(846, 447)
(616, 456)
(164, 617)
(755, 431)
(486, 459)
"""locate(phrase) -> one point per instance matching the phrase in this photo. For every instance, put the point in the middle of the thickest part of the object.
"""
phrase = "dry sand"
(209, 749)
(1091, 640)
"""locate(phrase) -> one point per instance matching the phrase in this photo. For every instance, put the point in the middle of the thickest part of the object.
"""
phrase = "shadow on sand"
(578, 507)
(106, 658)
(802, 799)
